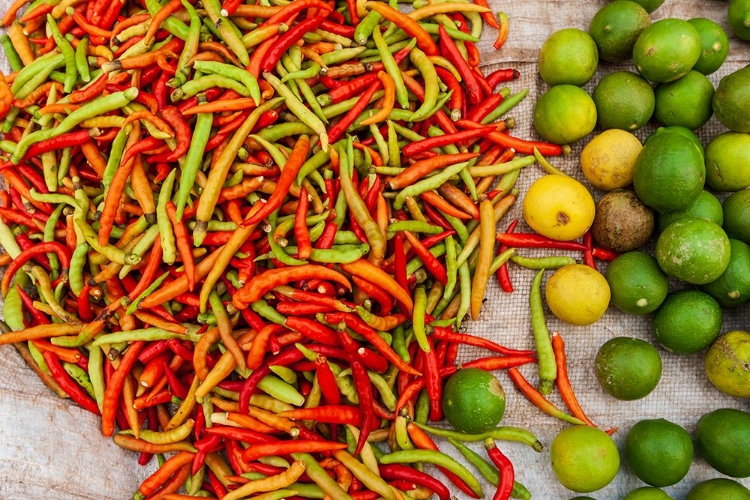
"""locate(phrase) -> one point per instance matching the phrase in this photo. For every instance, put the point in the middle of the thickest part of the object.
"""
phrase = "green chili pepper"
(366, 27)
(14, 60)
(436, 458)
(239, 74)
(547, 365)
(192, 163)
(552, 262)
(80, 376)
(82, 60)
(428, 184)
(502, 433)
(505, 106)
(96, 374)
(298, 109)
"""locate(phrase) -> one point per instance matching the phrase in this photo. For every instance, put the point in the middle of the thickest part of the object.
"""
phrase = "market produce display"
(255, 240)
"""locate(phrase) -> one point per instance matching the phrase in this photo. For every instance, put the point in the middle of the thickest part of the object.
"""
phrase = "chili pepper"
(563, 382)
(67, 384)
(529, 240)
(538, 399)
(547, 366)
(507, 475)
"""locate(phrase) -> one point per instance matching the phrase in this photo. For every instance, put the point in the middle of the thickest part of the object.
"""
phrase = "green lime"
(706, 206)
(727, 364)
(732, 100)
(666, 50)
(628, 368)
(637, 284)
(687, 322)
(669, 173)
(718, 489)
(568, 56)
(564, 114)
(732, 288)
(685, 132)
(738, 16)
(737, 215)
(649, 5)
(658, 452)
(616, 27)
(715, 45)
(623, 99)
(722, 438)
(647, 493)
(685, 102)
(473, 401)
(728, 162)
(583, 498)
(693, 250)
(584, 458)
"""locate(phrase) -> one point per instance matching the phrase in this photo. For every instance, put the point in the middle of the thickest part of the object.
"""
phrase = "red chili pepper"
(183, 134)
(288, 39)
(588, 253)
(351, 116)
(530, 240)
(442, 140)
(430, 261)
(441, 333)
(604, 254)
(59, 249)
(501, 76)
(363, 387)
(450, 51)
(505, 466)
(397, 471)
(67, 384)
(433, 383)
(503, 276)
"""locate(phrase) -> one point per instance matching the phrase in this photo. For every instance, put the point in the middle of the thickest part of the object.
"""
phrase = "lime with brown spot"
(667, 50)
(715, 45)
(738, 16)
(473, 401)
(727, 364)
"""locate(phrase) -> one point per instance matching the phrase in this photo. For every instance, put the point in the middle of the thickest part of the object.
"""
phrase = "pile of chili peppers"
(246, 235)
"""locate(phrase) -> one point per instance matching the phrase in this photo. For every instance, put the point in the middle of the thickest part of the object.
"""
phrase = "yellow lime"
(628, 368)
(687, 322)
(732, 100)
(722, 438)
(666, 50)
(623, 100)
(609, 158)
(658, 452)
(728, 364)
(558, 207)
(728, 162)
(637, 283)
(715, 45)
(718, 489)
(473, 401)
(577, 294)
(669, 173)
(693, 250)
(737, 215)
(568, 56)
(706, 206)
(564, 114)
(584, 458)
(616, 27)
(685, 102)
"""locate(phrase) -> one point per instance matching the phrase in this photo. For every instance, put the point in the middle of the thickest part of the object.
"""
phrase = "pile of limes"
(672, 185)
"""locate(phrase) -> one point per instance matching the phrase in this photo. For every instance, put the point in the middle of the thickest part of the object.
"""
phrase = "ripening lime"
(718, 489)
(564, 114)
(584, 459)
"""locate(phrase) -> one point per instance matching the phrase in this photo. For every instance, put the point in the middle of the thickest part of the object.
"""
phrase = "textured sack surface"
(52, 449)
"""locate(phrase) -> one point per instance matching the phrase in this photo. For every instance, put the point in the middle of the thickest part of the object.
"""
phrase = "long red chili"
(505, 466)
(59, 249)
(397, 471)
